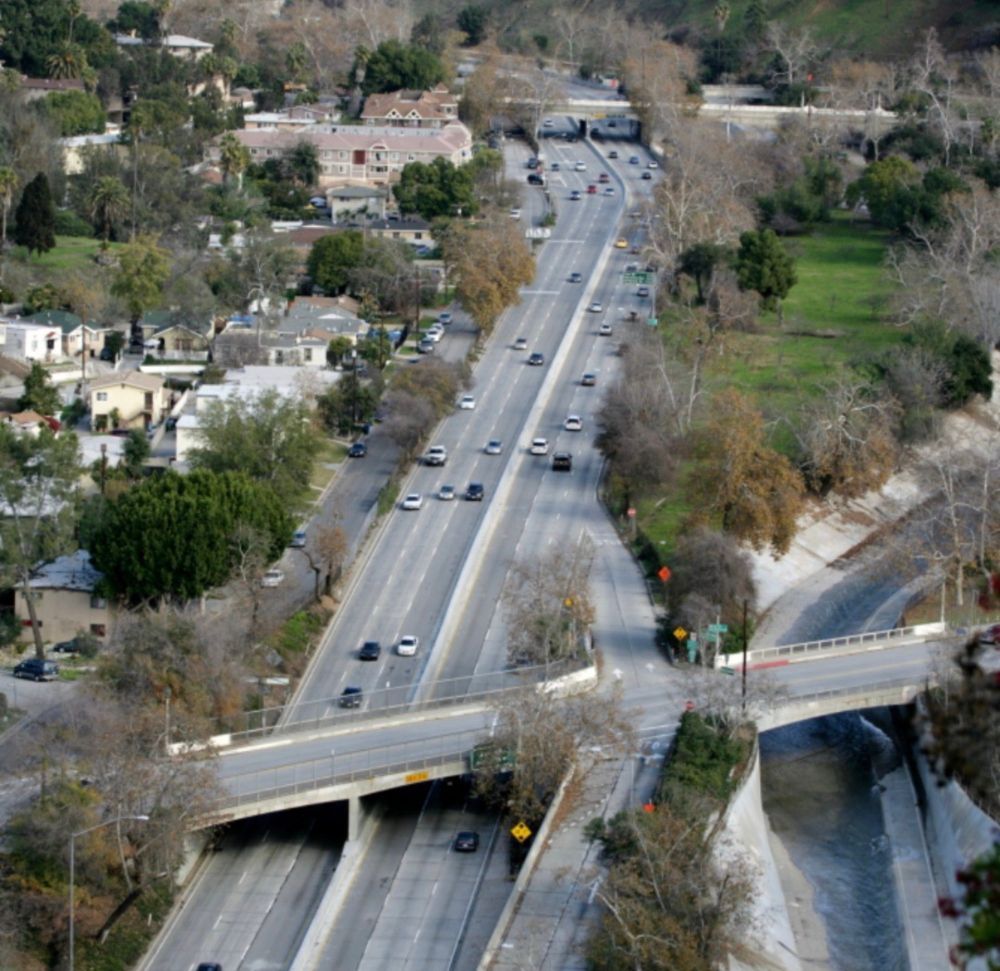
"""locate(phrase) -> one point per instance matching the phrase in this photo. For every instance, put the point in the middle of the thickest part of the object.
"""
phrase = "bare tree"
(250, 560)
(720, 696)
(934, 75)
(548, 607)
(710, 564)
(795, 49)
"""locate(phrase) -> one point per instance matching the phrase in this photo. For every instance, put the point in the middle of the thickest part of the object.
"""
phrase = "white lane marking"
(540, 293)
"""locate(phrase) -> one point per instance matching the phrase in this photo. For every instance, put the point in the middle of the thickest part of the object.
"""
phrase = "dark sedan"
(370, 651)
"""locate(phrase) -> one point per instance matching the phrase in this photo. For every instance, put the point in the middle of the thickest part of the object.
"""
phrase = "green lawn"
(833, 316)
(70, 253)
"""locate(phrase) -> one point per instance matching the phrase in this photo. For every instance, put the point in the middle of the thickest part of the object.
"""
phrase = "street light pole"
(72, 875)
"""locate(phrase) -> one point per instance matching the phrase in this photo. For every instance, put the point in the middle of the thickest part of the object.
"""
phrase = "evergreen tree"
(39, 395)
(763, 264)
(35, 218)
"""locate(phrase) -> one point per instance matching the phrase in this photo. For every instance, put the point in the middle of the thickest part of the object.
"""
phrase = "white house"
(32, 342)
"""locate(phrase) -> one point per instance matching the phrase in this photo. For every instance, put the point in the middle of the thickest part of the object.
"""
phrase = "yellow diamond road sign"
(680, 633)
(520, 832)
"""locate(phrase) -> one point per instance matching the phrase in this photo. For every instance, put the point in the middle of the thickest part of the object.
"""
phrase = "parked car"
(273, 578)
(425, 346)
(370, 651)
(466, 842)
(35, 669)
(407, 646)
(351, 697)
(991, 635)
(357, 451)
(475, 492)
(515, 213)
(298, 539)
(444, 317)
(446, 492)
(413, 501)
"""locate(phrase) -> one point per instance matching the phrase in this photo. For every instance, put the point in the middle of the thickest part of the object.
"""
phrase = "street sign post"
(520, 832)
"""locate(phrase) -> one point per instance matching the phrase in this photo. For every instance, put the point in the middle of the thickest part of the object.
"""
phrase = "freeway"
(406, 581)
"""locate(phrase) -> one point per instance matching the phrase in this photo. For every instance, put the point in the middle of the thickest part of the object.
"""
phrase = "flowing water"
(820, 793)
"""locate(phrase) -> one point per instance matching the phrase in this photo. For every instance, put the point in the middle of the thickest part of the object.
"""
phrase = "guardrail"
(868, 641)
(386, 702)
(333, 770)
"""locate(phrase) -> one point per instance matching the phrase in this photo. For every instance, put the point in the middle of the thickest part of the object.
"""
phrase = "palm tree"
(8, 183)
(302, 163)
(107, 203)
(234, 157)
(68, 62)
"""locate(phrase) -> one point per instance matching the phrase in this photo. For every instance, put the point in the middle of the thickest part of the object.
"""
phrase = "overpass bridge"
(348, 758)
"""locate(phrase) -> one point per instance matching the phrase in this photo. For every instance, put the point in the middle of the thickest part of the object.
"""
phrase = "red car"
(591, 189)
(604, 178)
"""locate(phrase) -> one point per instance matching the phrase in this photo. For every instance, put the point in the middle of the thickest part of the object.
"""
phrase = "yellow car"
(621, 243)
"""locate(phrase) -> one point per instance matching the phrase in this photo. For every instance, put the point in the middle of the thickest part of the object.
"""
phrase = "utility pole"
(743, 703)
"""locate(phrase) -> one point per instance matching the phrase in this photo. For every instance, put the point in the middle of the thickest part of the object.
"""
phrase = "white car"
(515, 213)
(651, 164)
(493, 447)
(578, 166)
(407, 645)
(273, 578)
(539, 446)
(604, 330)
(467, 402)
(573, 423)
(413, 501)
(444, 317)
(521, 344)
(434, 335)
(596, 307)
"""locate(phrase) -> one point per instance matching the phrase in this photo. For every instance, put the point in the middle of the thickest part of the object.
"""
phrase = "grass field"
(70, 253)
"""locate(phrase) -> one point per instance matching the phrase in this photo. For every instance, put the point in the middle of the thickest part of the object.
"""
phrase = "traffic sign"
(652, 321)
(727, 670)
(640, 278)
(718, 628)
(630, 512)
(520, 832)
(680, 633)
(663, 573)
(538, 232)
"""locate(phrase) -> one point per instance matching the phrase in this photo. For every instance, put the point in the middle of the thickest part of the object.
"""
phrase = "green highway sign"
(718, 628)
(727, 670)
(637, 278)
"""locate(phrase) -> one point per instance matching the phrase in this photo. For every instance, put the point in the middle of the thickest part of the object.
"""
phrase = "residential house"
(74, 149)
(75, 334)
(33, 89)
(170, 335)
(412, 230)
(186, 48)
(28, 423)
(411, 109)
(130, 399)
(360, 154)
(65, 601)
(347, 202)
(27, 341)
(295, 118)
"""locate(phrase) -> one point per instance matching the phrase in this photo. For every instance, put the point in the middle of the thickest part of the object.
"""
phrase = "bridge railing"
(385, 702)
(865, 689)
(401, 758)
(867, 641)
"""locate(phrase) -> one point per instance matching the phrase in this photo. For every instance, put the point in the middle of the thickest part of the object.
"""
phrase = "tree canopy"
(171, 536)
(270, 438)
(39, 393)
(394, 65)
(440, 188)
(143, 269)
(763, 265)
(35, 217)
(333, 257)
(75, 112)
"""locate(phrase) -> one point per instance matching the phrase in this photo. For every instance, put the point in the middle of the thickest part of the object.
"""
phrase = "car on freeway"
(578, 166)
(573, 423)
(536, 359)
(613, 154)
(539, 446)
(357, 451)
(475, 492)
(591, 189)
(493, 447)
(991, 635)
(575, 277)
(575, 195)
(370, 651)
(642, 292)
(466, 842)
(273, 578)
(595, 307)
(536, 178)
(209, 966)
(521, 344)
(652, 164)
(609, 190)
(562, 462)
(554, 167)
(298, 539)
(446, 492)
(647, 176)
(351, 697)
(444, 318)
(589, 379)
(604, 178)
(35, 669)
(605, 329)
(436, 455)
(633, 160)
(413, 501)
(621, 243)
(467, 402)
(407, 646)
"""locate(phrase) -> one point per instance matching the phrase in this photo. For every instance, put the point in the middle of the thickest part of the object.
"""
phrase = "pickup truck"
(436, 455)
